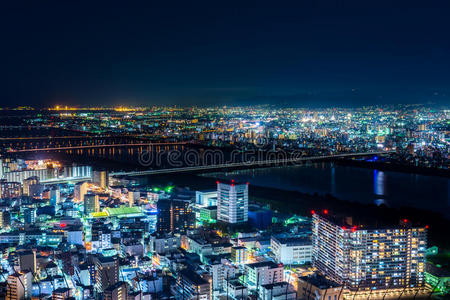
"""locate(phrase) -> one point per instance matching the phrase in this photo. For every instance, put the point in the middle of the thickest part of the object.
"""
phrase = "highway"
(246, 164)
(65, 180)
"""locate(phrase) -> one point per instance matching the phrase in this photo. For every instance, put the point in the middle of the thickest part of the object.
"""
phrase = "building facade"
(369, 258)
(232, 202)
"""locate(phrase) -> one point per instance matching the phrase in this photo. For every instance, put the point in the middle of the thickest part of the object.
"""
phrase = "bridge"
(66, 180)
(262, 163)
(95, 146)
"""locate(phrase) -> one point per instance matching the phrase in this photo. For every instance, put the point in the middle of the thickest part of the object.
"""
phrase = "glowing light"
(313, 212)
(405, 220)
(325, 211)
(426, 226)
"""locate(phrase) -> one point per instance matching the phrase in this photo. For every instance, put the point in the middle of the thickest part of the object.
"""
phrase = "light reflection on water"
(355, 184)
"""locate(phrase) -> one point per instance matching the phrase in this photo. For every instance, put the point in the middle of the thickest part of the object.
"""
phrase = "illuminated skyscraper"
(174, 216)
(232, 202)
(363, 257)
(19, 286)
(29, 182)
(100, 178)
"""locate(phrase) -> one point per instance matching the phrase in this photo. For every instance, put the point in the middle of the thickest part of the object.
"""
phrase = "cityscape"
(225, 152)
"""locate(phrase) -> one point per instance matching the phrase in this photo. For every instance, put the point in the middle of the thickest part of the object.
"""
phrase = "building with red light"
(232, 202)
(365, 258)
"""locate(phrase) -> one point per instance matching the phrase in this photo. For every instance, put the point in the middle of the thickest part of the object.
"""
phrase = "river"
(365, 185)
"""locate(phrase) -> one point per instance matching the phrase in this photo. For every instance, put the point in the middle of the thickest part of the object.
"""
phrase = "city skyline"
(295, 150)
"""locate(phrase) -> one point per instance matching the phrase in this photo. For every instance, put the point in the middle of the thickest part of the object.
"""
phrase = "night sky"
(299, 53)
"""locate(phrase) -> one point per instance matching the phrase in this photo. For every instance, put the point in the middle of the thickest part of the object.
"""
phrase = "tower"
(232, 202)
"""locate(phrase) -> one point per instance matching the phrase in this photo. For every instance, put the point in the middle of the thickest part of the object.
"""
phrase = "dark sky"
(299, 53)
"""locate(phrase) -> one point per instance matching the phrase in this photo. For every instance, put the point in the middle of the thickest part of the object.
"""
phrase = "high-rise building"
(80, 190)
(133, 197)
(107, 272)
(174, 216)
(100, 178)
(55, 196)
(19, 286)
(117, 291)
(364, 257)
(91, 204)
(232, 202)
(29, 182)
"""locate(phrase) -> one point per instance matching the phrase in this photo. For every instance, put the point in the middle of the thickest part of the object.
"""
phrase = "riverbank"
(387, 166)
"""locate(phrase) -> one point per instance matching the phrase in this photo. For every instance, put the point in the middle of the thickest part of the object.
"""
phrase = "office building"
(80, 189)
(107, 272)
(291, 250)
(208, 214)
(34, 180)
(363, 257)
(55, 196)
(232, 202)
(165, 243)
(206, 198)
(174, 216)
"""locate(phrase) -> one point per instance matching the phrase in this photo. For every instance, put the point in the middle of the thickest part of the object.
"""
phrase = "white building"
(221, 272)
(291, 250)
(206, 198)
(232, 202)
(164, 244)
(263, 273)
